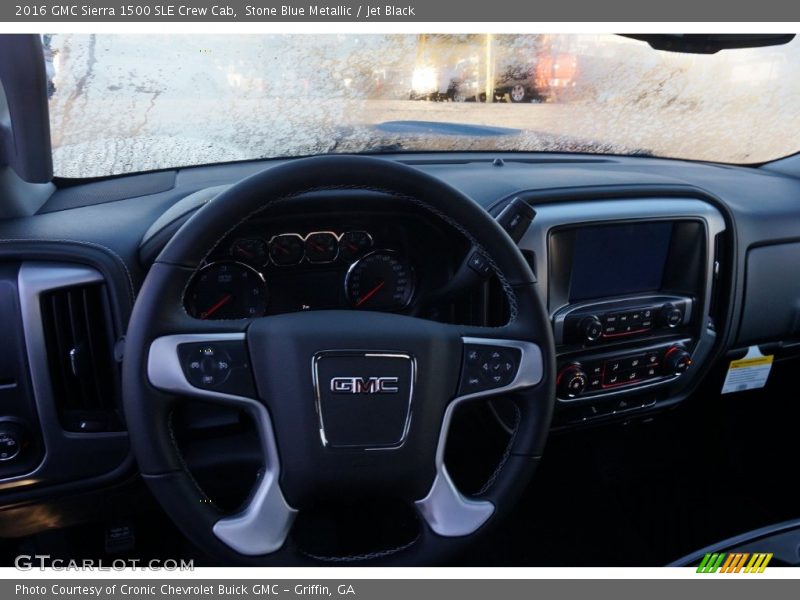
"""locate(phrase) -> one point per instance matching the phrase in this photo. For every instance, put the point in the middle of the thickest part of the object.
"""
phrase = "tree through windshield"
(128, 103)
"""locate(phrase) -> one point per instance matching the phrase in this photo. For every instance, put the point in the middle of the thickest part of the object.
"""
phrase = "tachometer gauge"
(381, 280)
(227, 290)
(250, 250)
(353, 244)
(286, 249)
(321, 247)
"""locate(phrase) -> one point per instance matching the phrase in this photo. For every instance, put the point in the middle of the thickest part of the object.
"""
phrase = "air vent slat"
(59, 349)
(79, 337)
(75, 352)
(720, 261)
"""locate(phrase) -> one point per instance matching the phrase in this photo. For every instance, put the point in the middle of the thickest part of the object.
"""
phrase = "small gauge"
(286, 249)
(381, 280)
(227, 290)
(353, 244)
(250, 250)
(321, 247)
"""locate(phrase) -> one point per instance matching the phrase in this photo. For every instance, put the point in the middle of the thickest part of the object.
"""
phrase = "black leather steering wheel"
(326, 388)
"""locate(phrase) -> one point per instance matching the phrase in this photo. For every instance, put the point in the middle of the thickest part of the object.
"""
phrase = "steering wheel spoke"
(490, 367)
(212, 366)
(215, 367)
(263, 525)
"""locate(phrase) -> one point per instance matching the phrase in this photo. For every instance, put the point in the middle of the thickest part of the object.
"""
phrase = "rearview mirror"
(710, 43)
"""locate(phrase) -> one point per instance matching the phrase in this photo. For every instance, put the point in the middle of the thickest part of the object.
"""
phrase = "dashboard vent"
(79, 339)
(720, 262)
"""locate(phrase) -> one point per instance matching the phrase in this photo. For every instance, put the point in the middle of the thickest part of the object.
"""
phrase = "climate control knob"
(676, 360)
(591, 329)
(571, 381)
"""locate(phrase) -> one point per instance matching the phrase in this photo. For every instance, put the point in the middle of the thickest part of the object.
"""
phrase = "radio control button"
(611, 379)
(670, 316)
(610, 318)
(612, 366)
(591, 328)
(595, 382)
(651, 358)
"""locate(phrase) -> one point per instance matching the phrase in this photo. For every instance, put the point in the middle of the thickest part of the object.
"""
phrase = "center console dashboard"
(629, 287)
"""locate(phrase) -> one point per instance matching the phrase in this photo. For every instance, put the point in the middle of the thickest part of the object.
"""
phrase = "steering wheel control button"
(363, 398)
(219, 366)
(473, 356)
(210, 366)
(488, 367)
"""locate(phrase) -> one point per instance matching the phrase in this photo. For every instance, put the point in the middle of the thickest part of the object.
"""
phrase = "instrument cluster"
(252, 276)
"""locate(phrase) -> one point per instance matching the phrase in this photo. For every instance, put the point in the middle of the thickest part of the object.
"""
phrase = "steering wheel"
(342, 399)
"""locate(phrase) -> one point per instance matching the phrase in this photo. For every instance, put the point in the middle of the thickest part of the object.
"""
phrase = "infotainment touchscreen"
(614, 260)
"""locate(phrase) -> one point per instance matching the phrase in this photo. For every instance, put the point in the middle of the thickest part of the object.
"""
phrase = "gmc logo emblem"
(364, 385)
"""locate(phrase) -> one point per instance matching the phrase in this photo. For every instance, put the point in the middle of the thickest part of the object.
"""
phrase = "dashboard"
(651, 271)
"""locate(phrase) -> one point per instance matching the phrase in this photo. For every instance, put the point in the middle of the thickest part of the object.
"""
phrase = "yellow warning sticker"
(748, 373)
(752, 362)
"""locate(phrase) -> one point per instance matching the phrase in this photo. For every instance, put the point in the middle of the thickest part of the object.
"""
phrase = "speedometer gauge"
(227, 290)
(381, 280)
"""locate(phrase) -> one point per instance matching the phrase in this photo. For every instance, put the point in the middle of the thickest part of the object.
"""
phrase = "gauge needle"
(370, 294)
(246, 253)
(223, 301)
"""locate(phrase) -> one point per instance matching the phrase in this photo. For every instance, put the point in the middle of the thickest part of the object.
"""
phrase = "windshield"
(127, 103)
